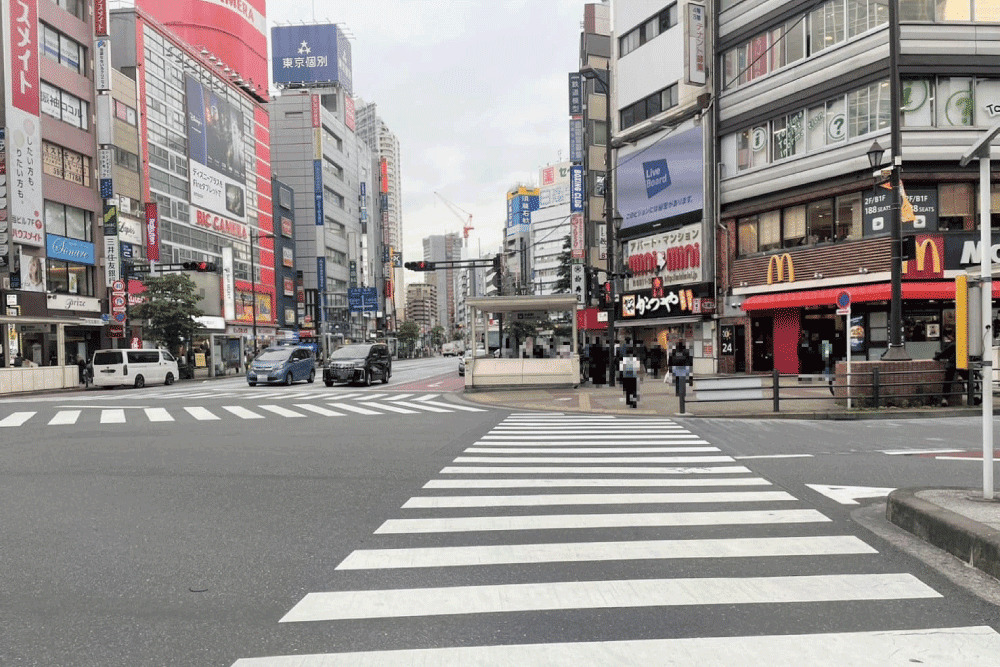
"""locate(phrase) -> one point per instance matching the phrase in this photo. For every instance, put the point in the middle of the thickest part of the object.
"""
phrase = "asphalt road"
(142, 532)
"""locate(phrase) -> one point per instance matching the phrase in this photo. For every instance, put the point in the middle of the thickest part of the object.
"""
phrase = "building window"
(59, 48)
(793, 231)
(64, 106)
(788, 135)
(955, 101)
(956, 206)
(74, 7)
(746, 235)
(868, 109)
(65, 164)
(935, 10)
(647, 30)
(126, 159)
(125, 113)
(649, 106)
(849, 217)
(819, 218)
(769, 230)
(68, 221)
(70, 278)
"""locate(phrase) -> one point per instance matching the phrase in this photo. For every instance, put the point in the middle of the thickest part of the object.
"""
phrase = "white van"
(133, 367)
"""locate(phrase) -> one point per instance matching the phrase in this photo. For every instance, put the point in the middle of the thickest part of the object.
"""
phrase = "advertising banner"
(321, 285)
(642, 305)
(216, 145)
(100, 17)
(661, 179)
(130, 230)
(575, 93)
(878, 205)
(694, 55)
(349, 119)
(674, 257)
(576, 139)
(72, 302)
(112, 259)
(102, 63)
(555, 185)
(318, 191)
(311, 54)
(109, 225)
(286, 257)
(70, 250)
(24, 138)
(963, 250)
(579, 238)
(228, 285)
(576, 193)
(219, 224)
(32, 271)
(384, 168)
(152, 233)
(4, 220)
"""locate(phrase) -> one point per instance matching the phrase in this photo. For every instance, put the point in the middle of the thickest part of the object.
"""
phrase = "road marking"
(278, 410)
(242, 412)
(504, 598)
(591, 436)
(341, 397)
(427, 406)
(593, 459)
(775, 456)
(970, 646)
(514, 483)
(589, 443)
(586, 450)
(584, 470)
(64, 417)
(353, 408)
(449, 406)
(201, 414)
(978, 459)
(846, 495)
(158, 415)
(399, 397)
(585, 521)
(112, 416)
(318, 410)
(566, 552)
(435, 502)
(373, 396)
(390, 407)
(499, 430)
(427, 397)
(912, 452)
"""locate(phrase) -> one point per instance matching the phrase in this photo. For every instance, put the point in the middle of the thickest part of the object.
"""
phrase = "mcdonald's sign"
(927, 258)
(780, 268)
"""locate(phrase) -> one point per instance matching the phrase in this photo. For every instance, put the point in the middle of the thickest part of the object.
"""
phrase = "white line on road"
(586, 470)
(589, 443)
(911, 452)
(112, 416)
(587, 450)
(388, 406)
(158, 415)
(399, 397)
(976, 646)
(427, 397)
(449, 406)
(278, 410)
(318, 410)
(433, 502)
(347, 407)
(593, 459)
(65, 417)
(201, 414)
(583, 521)
(591, 436)
(565, 552)
(513, 483)
(242, 412)
(775, 456)
(426, 406)
(342, 605)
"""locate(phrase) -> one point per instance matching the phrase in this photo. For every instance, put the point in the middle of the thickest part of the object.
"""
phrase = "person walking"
(680, 365)
(629, 371)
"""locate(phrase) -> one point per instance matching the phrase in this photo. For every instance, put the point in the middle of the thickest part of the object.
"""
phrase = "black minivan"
(361, 362)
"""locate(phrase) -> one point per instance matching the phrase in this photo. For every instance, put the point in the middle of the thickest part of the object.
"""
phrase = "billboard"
(216, 146)
(554, 188)
(576, 193)
(674, 257)
(661, 179)
(310, 54)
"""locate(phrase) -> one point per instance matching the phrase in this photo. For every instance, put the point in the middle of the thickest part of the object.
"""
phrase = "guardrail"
(873, 390)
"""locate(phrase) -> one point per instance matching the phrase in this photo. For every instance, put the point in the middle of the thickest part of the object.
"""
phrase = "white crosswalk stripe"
(523, 484)
(347, 407)
(112, 416)
(280, 411)
(390, 407)
(201, 414)
(242, 412)
(426, 405)
(16, 419)
(65, 418)
(158, 415)
(318, 410)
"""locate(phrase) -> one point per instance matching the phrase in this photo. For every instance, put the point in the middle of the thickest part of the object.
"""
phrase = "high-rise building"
(595, 52)
(422, 305)
(550, 227)
(285, 275)
(444, 248)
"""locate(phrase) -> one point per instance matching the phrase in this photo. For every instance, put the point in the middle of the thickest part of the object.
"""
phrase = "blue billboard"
(362, 299)
(661, 180)
(310, 54)
(70, 250)
(576, 188)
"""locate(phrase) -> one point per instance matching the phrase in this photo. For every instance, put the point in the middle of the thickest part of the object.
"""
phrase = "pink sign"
(349, 112)
(24, 55)
(152, 233)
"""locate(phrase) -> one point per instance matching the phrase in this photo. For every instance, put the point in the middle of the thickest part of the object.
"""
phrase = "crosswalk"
(619, 509)
(392, 405)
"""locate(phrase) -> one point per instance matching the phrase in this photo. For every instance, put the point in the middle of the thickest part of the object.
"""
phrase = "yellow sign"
(780, 268)
(199, 360)
(921, 251)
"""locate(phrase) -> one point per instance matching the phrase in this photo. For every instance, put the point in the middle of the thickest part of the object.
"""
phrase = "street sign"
(844, 299)
(119, 317)
(843, 311)
(135, 343)
(116, 331)
(118, 286)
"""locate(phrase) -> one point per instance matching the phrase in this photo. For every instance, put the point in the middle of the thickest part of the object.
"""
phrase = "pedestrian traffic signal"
(606, 300)
(498, 263)
(201, 267)
(420, 266)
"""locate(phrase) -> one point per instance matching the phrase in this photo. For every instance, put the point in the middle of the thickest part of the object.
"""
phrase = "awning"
(859, 294)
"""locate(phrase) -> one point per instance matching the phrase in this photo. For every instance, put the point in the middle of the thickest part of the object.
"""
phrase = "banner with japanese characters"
(675, 257)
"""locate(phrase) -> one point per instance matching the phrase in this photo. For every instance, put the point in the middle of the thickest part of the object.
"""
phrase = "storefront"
(655, 320)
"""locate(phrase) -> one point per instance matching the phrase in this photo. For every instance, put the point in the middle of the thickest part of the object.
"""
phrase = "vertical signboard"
(102, 64)
(349, 119)
(24, 139)
(384, 169)
(694, 54)
(228, 285)
(4, 222)
(576, 139)
(579, 240)
(575, 93)
(576, 188)
(216, 141)
(152, 233)
(101, 17)
(321, 286)
(112, 261)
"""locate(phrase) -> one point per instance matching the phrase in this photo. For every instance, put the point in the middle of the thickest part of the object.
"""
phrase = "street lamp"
(875, 154)
(255, 237)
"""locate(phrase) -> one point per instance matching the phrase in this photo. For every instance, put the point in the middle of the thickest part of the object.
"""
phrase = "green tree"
(564, 273)
(408, 332)
(437, 335)
(169, 311)
(520, 330)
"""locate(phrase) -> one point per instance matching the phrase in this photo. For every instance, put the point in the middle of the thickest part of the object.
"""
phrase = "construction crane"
(462, 214)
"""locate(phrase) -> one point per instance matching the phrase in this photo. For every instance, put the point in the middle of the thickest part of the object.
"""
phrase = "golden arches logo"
(780, 268)
(921, 256)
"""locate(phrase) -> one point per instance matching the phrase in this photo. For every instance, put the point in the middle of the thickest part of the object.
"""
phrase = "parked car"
(133, 367)
(285, 364)
(361, 362)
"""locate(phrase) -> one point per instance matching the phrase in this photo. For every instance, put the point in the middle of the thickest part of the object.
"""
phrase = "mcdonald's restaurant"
(782, 312)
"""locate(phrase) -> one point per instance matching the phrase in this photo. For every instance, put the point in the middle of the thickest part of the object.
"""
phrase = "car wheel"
(169, 380)
(312, 376)
(328, 383)
(140, 382)
(288, 379)
(367, 380)
(252, 384)
(385, 376)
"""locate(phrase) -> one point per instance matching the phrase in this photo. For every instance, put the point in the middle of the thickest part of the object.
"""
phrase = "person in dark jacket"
(947, 355)
(680, 363)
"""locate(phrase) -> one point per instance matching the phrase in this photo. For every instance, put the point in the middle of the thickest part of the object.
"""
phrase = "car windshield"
(274, 355)
(351, 352)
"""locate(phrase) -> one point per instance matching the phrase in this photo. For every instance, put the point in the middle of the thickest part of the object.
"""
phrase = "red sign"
(315, 110)
(219, 224)
(929, 259)
(116, 331)
(589, 319)
(579, 238)
(385, 176)
(135, 343)
(286, 227)
(24, 55)
(289, 286)
(152, 233)
(349, 112)
(101, 18)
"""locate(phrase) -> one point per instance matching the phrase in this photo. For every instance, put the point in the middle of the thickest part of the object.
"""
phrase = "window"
(628, 43)
(955, 102)
(868, 109)
(746, 234)
(74, 7)
(126, 159)
(599, 132)
(66, 164)
(917, 102)
(64, 106)
(788, 136)
(125, 113)
(61, 49)
(943, 10)
(753, 147)
(649, 106)
(819, 218)
(794, 226)
(769, 230)
(68, 221)
(647, 30)
(956, 208)
(849, 217)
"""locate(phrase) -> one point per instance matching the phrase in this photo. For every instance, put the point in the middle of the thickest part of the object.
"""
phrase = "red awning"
(859, 294)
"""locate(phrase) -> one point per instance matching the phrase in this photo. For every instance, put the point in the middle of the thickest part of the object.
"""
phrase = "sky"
(475, 91)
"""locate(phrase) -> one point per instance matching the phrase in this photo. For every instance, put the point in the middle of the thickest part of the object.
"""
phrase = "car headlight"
(359, 364)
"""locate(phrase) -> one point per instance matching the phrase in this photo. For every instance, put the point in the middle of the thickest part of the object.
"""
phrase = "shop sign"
(73, 302)
(780, 268)
(70, 250)
(129, 230)
(579, 240)
(676, 302)
(575, 93)
(289, 286)
(878, 206)
(928, 260)
(963, 250)
(228, 285)
(674, 257)
(727, 338)
(152, 232)
(218, 223)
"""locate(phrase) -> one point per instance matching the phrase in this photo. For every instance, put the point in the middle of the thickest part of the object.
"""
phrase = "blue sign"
(107, 189)
(575, 93)
(318, 190)
(576, 140)
(362, 299)
(660, 181)
(321, 286)
(576, 188)
(70, 250)
(126, 250)
(310, 54)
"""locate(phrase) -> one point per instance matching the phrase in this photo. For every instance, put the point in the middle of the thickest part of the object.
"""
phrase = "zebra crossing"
(555, 491)
(392, 405)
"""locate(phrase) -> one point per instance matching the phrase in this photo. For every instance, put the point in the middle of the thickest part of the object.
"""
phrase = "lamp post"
(604, 79)
(255, 237)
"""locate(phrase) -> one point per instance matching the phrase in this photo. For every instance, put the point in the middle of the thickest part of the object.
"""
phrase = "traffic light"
(498, 271)
(201, 267)
(420, 266)
(606, 295)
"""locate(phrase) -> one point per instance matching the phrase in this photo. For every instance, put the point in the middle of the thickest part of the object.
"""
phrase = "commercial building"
(550, 227)
(444, 248)
(521, 201)
(422, 305)
(286, 285)
(802, 97)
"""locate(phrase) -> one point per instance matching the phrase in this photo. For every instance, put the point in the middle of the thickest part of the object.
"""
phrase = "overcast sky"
(475, 90)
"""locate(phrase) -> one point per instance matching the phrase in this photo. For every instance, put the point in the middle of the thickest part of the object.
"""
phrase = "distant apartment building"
(422, 305)
(444, 248)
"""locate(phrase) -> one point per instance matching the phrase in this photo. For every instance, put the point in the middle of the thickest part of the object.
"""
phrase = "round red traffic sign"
(118, 285)
(118, 301)
(119, 317)
(843, 299)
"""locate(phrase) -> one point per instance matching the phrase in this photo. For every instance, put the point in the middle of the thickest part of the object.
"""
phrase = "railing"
(869, 390)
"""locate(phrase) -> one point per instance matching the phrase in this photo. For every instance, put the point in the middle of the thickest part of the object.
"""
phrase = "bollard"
(875, 388)
(775, 387)
(682, 394)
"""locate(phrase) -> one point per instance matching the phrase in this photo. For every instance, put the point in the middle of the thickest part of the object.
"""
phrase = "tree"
(564, 273)
(169, 310)
(519, 330)
(437, 335)
(408, 332)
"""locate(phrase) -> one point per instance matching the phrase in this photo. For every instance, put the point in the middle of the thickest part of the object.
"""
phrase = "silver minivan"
(133, 367)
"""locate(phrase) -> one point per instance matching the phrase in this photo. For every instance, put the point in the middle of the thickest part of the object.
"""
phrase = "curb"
(972, 542)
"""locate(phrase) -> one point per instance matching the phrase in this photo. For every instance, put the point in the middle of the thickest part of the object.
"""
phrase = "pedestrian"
(655, 360)
(18, 360)
(81, 364)
(947, 355)
(630, 369)
(680, 365)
